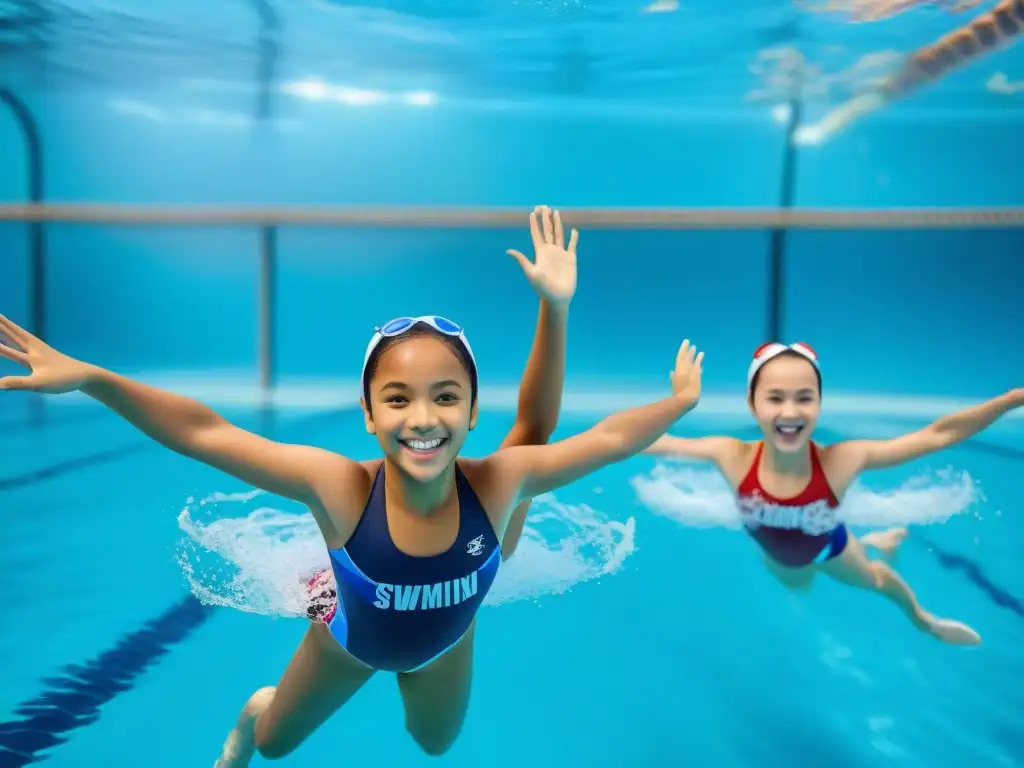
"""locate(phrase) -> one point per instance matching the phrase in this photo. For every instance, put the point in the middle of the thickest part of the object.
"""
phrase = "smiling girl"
(414, 537)
(789, 488)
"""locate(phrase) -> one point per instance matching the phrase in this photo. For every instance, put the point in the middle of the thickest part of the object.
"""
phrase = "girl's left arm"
(553, 275)
(859, 455)
(528, 471)
(524, 472)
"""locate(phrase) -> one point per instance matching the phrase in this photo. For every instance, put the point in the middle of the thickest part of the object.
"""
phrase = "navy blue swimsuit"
(397, 612)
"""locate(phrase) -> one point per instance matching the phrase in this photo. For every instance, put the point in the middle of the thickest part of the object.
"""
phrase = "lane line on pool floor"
(61, 468)
(971, 569)
(974, 574)
(73, 699)
(36, 476)
(52, 420)
(994, 449)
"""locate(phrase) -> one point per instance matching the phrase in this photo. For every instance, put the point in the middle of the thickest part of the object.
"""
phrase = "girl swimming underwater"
(414, 538)
(553, 275)
(788, 488)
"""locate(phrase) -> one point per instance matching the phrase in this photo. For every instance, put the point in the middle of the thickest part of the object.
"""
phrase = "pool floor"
(645, 633)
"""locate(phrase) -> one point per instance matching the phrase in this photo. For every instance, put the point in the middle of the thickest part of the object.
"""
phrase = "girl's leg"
(852, 567)
(436, 697)
(320, 678)
(796, 579)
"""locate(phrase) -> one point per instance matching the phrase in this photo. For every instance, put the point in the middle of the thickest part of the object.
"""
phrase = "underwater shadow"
(81, 462)
(965, 565)
(73, 699)
(975, 575)
(312, 422)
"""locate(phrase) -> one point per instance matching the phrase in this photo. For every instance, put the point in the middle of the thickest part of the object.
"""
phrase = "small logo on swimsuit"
(476, 546)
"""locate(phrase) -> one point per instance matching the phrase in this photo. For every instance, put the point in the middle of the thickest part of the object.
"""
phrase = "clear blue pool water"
(635, 626)
(144, 597)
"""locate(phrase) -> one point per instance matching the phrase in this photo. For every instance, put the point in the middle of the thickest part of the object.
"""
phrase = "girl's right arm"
(709, 448)
(194, 430)
(527, 471)
(179, 423)
(726, 453)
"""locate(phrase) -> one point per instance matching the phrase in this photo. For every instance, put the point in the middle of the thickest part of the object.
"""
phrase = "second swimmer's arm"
(709, 448)
(857, 455)
(192, 429)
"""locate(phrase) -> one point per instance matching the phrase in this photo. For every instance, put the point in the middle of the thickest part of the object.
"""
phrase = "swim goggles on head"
(773, 349)
(400, 325)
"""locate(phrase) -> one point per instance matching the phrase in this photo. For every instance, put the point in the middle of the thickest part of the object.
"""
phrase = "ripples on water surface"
(737, 55)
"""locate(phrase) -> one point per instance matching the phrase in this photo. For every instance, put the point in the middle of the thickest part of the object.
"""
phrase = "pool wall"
(896, 312)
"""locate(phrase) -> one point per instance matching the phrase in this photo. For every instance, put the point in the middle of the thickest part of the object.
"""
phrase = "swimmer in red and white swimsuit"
(794, 531)
(789, 489)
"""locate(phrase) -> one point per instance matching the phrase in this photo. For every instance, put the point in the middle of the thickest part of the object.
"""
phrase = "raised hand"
(687, 373)
(49, 370)
(552, 273)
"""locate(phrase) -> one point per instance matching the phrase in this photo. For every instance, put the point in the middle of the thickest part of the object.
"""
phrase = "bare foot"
(240, 745)
(950, 631)
(887, 543)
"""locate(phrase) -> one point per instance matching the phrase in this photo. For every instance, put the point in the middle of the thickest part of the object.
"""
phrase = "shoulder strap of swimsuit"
(469, 502)
(818, 470)
(465, 490)
(376, 502)
(377, 494)
(372, 524)
(751, 476)
(816, 465)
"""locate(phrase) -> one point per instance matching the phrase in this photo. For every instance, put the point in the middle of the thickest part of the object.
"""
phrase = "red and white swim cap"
(773, 349)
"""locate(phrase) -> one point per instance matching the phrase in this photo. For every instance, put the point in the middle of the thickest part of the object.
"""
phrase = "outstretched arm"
(709, 448)
(183, 425)
(536, 469)
(859, 455)
(194, 430)
(543, 468)
(728, 454)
